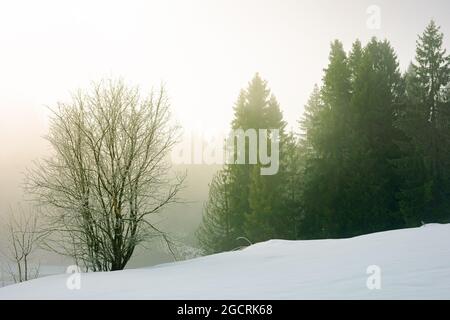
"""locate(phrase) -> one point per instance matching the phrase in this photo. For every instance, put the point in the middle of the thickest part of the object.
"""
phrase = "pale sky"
(205, 51)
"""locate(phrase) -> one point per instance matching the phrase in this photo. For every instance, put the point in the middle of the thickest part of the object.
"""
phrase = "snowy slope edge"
(414, 264)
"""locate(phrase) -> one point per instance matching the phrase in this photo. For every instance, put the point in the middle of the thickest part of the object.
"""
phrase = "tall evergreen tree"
(255, 109)
(252, 200)
(264, 212)
(327, 135)
(373, 182)
(424, 120)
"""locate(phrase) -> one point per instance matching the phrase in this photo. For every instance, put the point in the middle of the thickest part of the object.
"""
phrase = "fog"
(203, 51)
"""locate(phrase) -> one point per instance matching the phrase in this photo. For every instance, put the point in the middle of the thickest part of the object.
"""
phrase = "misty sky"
(204, 50)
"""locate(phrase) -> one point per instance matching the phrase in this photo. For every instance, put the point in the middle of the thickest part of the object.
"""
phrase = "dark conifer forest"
(372, 154)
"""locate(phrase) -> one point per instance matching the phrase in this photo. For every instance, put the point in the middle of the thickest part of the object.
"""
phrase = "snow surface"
(415, 264)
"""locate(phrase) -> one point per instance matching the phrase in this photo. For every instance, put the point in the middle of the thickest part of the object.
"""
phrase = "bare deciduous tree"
(23, 238)
(109, 173)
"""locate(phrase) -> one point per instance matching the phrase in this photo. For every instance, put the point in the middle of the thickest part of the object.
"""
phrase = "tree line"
(372, 153)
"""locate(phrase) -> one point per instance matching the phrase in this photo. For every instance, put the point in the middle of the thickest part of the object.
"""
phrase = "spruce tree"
(254, 108)
(327, 135)
(252, 202)
(265, 211)
(374, 183)
(424, 122)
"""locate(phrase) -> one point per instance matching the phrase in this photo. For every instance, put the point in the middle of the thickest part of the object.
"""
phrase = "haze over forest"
(204, 52)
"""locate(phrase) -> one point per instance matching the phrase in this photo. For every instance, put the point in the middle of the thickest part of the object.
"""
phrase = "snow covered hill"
(413, 264)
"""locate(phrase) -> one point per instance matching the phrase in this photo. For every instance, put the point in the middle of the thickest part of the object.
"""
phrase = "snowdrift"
(412, 264)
